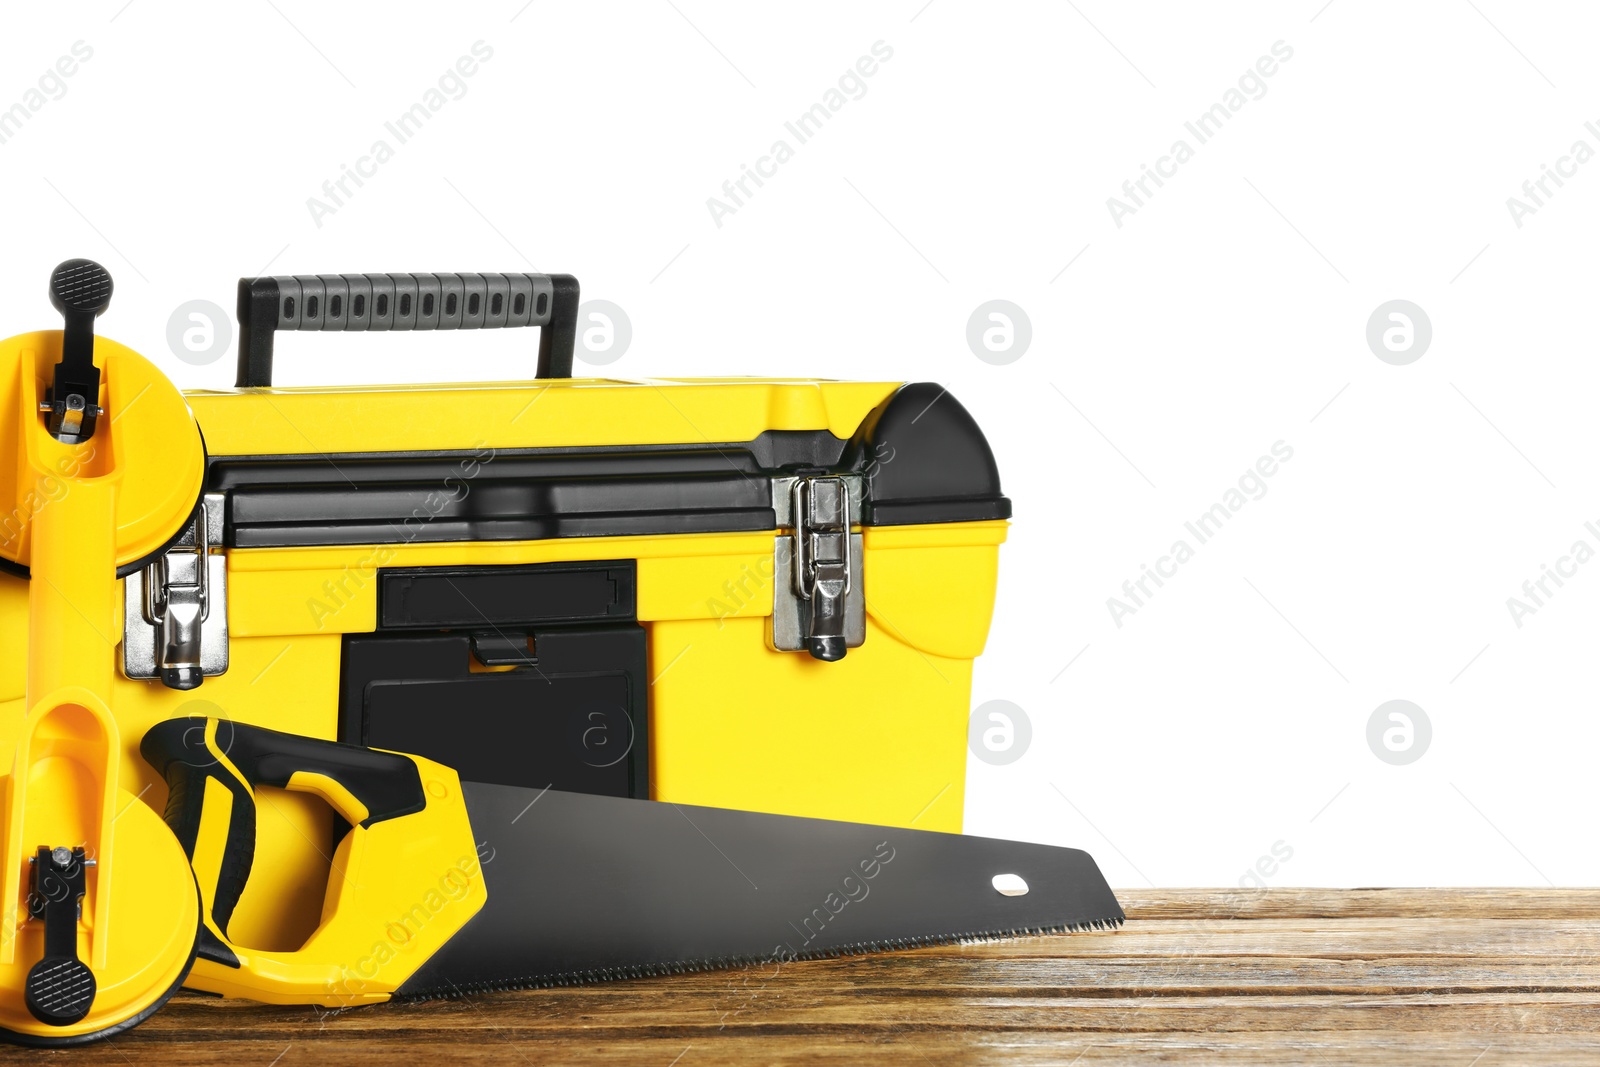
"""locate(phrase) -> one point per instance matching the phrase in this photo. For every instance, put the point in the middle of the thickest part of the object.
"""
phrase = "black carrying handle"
(406, 302)
(188, 751)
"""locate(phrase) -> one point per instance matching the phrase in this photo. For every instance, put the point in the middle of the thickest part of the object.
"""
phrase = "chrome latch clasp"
(818, 606)
(175, 618)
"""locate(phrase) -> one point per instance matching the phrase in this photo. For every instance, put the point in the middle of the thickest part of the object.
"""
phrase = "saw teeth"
(863, 948)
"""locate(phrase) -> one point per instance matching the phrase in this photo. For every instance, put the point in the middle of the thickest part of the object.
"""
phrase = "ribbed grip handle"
(371, 786)
(344, 302)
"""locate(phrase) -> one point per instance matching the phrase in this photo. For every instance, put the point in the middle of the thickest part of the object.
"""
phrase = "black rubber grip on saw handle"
(346, 302)
(187, 752)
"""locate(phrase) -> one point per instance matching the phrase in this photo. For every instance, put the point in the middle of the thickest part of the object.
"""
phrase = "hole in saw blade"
(1009, 885)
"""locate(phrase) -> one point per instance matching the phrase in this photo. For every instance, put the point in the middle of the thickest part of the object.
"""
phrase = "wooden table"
(1464, 978)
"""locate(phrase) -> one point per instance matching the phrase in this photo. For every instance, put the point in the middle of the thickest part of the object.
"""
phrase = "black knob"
(59, 992)
(80, 286)
(182, 678)
(827, 649)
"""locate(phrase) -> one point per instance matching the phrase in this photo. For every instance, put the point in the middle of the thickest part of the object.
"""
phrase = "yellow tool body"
(75, 512)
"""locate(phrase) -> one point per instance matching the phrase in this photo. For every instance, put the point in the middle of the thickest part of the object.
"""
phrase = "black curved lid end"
(925, 460)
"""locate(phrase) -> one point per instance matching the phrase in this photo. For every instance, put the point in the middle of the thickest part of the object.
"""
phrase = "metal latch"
(818, 605)
(175, 611)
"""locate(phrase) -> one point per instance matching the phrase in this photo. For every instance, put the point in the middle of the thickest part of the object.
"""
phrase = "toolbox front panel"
(731, 721)
(334, 590)
(879, 736)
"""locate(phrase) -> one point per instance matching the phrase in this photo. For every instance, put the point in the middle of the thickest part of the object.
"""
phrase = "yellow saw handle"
(402, 880)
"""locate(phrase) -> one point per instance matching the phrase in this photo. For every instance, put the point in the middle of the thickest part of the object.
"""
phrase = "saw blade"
(587, 888)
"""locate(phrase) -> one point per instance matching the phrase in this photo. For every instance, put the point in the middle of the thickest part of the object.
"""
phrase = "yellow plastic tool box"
(751, 593)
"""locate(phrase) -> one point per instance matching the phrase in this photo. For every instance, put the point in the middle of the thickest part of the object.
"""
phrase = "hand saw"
(441, 888)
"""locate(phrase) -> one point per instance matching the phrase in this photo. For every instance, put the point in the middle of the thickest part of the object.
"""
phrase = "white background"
(1227, 716)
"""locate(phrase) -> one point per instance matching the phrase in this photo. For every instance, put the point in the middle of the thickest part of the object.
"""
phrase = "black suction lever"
(60, 987)
(80, 289)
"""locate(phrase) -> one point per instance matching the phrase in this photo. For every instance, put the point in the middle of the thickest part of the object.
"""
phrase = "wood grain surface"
(1461, 977)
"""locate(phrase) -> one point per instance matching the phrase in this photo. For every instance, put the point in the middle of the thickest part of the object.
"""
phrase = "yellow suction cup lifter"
(402, 880)
(99, 912)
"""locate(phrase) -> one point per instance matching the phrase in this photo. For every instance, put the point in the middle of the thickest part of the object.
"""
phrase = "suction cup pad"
(49, 997)
(147, 441)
